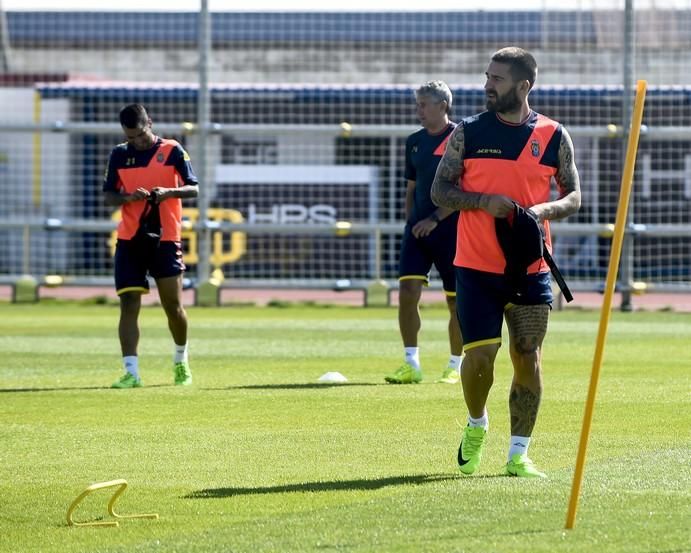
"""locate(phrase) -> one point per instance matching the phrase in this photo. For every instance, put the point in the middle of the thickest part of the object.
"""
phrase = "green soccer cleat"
(470, 450)
(405, 374)
(520, 465)
(127, 380)
(183, 376)
(450, 376)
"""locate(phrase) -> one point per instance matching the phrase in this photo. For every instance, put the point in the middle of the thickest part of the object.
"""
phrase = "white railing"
(27, 229)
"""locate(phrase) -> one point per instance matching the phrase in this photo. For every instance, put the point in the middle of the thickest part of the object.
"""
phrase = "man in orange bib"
(504, 157)
(147, 177)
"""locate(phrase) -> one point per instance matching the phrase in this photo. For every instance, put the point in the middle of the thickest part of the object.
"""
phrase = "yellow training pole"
(615, 255)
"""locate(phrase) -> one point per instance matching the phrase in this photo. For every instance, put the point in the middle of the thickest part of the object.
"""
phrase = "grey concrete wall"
(364, 64)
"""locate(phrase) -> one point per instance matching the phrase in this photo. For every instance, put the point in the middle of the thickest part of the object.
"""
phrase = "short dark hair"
(134, 116)
(522, 64)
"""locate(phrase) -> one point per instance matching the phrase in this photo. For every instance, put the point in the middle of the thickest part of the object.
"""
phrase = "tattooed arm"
(447, 193)
(568, 182)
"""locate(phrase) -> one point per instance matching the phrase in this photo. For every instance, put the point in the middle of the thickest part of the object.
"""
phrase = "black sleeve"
(410, 173)
(111, 178)
(180, 159)
(551, 155)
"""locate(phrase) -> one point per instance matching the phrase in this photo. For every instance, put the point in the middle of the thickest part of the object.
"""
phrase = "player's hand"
(538, 212)
(424, 228)
(159, 193)
(138, 194)
(498, 205)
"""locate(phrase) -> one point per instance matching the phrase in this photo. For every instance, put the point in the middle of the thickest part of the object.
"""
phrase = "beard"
(504, 104)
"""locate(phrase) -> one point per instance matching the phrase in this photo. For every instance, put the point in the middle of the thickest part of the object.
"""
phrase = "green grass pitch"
(256, 456)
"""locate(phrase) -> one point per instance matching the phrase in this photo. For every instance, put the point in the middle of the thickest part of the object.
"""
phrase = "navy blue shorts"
(438, 249)
(132, 264)
(486, 296)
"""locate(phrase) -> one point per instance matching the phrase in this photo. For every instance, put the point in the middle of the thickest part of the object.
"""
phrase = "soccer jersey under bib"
(423, 152)
(166, 165)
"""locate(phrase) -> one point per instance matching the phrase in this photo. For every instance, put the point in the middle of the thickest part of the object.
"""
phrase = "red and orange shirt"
(166, 164)
(514, 160)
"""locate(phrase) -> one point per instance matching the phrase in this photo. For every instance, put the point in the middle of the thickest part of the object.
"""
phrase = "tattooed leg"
(527, 326)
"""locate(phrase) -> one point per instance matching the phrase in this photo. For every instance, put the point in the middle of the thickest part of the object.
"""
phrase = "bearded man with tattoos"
(506, 156)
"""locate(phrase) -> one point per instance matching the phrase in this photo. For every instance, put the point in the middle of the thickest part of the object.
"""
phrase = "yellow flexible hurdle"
(121, 484)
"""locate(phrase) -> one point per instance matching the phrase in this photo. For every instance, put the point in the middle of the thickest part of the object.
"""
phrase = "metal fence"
(292, 196)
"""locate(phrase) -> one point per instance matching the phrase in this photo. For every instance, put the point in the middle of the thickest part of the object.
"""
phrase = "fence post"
(378, 290)
(207, 292)
(629, 57)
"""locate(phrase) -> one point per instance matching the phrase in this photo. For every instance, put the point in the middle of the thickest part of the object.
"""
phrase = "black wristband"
(434, 217)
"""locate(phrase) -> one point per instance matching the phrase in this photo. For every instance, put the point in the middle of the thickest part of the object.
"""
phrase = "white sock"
(455, 362)
(180, 355)
(131, 365)
(483, 421)
(412, 357)
(518, 444)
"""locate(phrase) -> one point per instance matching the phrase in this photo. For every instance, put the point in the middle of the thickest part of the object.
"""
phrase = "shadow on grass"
(335, 485)
(73, 388)
(304, 386)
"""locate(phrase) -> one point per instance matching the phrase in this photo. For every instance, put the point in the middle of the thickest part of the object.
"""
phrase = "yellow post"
(615, 255)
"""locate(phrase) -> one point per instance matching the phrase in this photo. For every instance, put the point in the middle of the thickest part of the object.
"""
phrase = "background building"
(278, 169)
